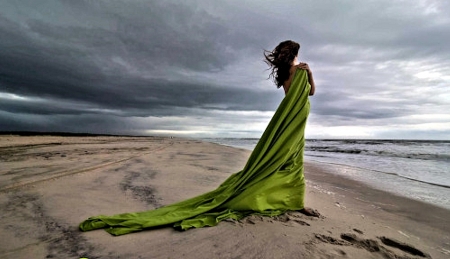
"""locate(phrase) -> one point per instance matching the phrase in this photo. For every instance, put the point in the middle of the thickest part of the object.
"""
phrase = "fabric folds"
(271, 182)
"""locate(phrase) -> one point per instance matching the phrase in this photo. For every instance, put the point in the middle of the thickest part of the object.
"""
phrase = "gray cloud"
(196, 66)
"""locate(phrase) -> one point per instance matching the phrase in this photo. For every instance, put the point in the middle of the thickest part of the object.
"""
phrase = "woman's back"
(288, 82)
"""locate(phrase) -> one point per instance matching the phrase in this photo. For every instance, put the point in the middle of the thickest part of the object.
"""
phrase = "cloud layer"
(195, 68)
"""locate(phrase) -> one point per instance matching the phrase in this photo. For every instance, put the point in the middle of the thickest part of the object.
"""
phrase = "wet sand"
(48, 185)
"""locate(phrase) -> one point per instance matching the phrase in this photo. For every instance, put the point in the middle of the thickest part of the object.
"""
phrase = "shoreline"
(435, 194)
(400, 177)
(50, 184)
(389, 202)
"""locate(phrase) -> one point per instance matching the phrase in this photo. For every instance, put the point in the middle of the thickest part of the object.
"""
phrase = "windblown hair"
(280, 60)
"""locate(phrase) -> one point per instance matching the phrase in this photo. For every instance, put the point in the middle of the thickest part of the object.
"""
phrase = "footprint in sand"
(374, 246)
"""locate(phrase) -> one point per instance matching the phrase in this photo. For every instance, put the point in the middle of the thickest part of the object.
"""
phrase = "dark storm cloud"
(116, 66)
(134, 98)
(104, 124)
(74, 64)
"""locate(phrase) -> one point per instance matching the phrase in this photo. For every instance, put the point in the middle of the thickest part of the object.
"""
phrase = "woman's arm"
(310, 77)
(311, 82)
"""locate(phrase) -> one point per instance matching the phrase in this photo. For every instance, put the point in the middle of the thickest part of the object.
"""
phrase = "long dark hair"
(280, 60)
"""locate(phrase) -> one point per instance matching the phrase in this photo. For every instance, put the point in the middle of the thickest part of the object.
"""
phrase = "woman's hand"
(304, 66)
(310, 77)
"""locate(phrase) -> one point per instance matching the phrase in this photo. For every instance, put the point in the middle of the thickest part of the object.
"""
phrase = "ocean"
(417, 169)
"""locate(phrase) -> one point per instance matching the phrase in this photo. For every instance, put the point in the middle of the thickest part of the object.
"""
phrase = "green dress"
(271, 182)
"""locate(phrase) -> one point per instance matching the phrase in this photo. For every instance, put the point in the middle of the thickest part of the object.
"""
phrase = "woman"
(272, 181)
(283, 62)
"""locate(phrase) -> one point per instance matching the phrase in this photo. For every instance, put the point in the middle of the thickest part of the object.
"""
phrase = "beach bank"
(48, 185)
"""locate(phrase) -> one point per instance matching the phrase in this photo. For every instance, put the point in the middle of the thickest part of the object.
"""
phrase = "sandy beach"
(49, 184)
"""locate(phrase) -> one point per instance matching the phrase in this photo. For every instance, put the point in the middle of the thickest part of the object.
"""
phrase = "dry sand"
(48, 185)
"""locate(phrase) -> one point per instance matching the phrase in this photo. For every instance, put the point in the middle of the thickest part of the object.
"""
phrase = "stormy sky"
(195, 68)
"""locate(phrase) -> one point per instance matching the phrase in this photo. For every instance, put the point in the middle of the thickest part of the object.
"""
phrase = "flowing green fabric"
(271, 182)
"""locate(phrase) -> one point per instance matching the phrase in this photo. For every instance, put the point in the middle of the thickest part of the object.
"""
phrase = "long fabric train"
(271, 182)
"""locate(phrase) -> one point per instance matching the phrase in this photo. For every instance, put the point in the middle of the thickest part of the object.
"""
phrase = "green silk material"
(271, 182)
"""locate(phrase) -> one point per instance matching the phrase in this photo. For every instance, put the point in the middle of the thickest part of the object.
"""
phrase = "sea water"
(418, 169)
